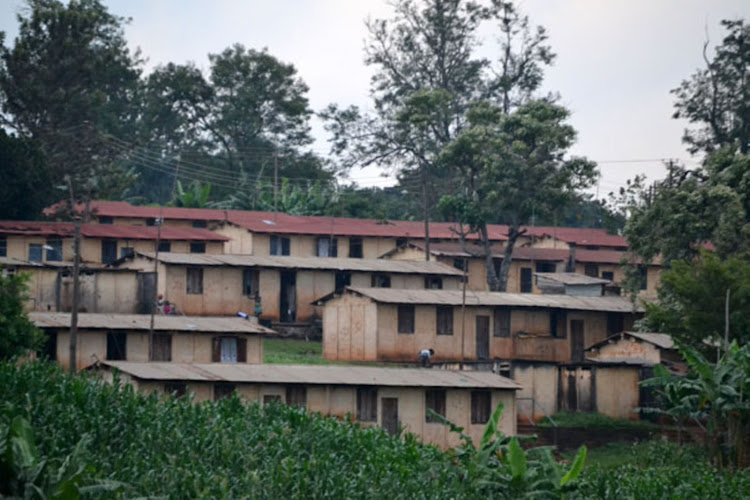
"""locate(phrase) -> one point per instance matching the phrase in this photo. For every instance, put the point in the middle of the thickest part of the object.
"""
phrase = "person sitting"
(167, 307)
(160, 303)
(424, 356)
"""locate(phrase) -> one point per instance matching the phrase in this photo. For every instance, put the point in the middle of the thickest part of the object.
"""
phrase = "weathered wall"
(628, 347)
(350, 326)
(538, 398)
(617, 391)
(240, 239)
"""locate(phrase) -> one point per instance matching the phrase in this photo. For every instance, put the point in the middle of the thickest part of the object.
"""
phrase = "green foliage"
(692, 299)
(291, 351)
(592, 421)
(195, 196)
(713, 395)
(18, 335)
(25, 188)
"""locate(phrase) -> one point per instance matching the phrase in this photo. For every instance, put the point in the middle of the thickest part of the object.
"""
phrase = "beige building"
(648, 348)
(127, 337)
(371, 324)
(386, 397)
(287, 286)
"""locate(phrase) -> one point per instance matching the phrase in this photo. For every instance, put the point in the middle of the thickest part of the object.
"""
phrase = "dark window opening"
(250, 282)
(35, 252)
(49, 348)
(444, 320)
(405, 319)
(558, 321)
(343, 280)
(460, 263)
(194, 280)
(176, 389)
(355, 247)
(223, 391)
(435, 401)
(615, 323)
(608, 275)
(3, 247)
(279, 245)
(526, 283)
(501, 326)
(643, 270)
(109, 251)
(367, 404)
(198, 247)
(380, 281)
(127, 252)
(165, 246)
(161, 349)
(151, 221)
(117, 346)
(54, 250)
(401, 242)
(433, 283)
(545, 267)
(591, 270)
(103, 219)
(200, 224)
(296, 395)
(327, 247)
(271, 399)
(481, 402)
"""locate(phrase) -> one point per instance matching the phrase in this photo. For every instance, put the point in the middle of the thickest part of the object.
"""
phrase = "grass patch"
(293, 352)
(594, 421)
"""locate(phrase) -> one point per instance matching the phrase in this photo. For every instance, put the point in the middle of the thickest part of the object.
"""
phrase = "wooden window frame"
(167, 339)
(198, 247)
(296, 395)
(279, 245)
(355, 242)
(429, 281)
(444, 320)
(37, 248)
(367, 404)
(435, 400)
(165, 246)
(405, 317)
(223, 390)
(333, 246)
(216, 349)
(194, 285)
(109, 256)
(481, 407)
(117, 345)
(380, 280)
(501, 319)
(530, 282)
(250, 282)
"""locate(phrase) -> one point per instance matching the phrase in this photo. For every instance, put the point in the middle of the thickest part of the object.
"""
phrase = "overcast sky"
(616, 59)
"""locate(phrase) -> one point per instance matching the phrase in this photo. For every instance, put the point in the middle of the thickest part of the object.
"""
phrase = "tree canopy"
(18, 335)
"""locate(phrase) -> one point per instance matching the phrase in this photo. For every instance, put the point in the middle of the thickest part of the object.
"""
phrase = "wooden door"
(390, 415)
(146, 292)
(483, 337)
(288, 297)
(576, 340)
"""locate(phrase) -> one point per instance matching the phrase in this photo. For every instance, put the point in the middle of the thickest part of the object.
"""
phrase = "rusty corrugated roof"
(660, 340)
(314, 374)
(572, 278)
(473, 298)
(110, 231)
(321, 263)
(208, 324)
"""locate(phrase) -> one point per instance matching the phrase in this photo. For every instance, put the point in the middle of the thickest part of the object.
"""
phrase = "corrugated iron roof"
(321, 263)
(572, 279)
(473, 298)
(269, 222)
(660, 340)
(208, 324)
(314, 374)
(110, 231)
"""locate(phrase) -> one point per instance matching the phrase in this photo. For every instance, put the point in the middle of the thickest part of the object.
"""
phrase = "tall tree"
(68, 80)
(24, 179)
(717, 98)
(511, 167)
(18, 335)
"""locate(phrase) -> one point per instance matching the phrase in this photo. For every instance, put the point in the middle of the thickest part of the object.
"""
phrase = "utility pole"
(155, 298)
(76, 272)
(275, 185)
(425, 213)
(463, 308)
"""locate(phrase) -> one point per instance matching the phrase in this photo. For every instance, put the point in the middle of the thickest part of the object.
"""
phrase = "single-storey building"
(127, 337)
(387, 397)
(651, 348)
(371, 324)
(287, 286)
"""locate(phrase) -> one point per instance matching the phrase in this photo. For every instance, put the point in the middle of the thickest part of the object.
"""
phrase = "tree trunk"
(498, 281)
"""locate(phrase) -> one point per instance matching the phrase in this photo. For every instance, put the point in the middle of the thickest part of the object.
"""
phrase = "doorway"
(288, 297)
(483, 337)
(390, 415)
(576, 340)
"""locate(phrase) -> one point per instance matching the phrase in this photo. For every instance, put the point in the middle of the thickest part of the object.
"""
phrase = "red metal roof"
(279, 223)
(110, 231)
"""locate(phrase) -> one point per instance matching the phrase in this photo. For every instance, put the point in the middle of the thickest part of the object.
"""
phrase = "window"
(54, 249)
(591, 270)
(165, 246)
(615, 323)
(460, 263)
(271, 398)
(545, 267)
(198, 247)
(176, 389)
(3, 247)
(200, 224)
(444, 320)
(279, 245)
(250, 282)
(229, 350)
(103, 219)
(367, 404)
(296, 395)
(117, 343)
(161, 349)
(126, 252)
(501, 327)
(355, 247)
(223, 391)
(35, 252)
(401, 242)
(343, 279)
(480, 407)
(49, 347)
(644, 277)
(433, 283)
(405, 319)
(526, 284)
(151, 221)
(435, 401)
(608, 275)
(109, 251)
(558, 321)
(380, 281)
(328, 247)
(194, 280)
